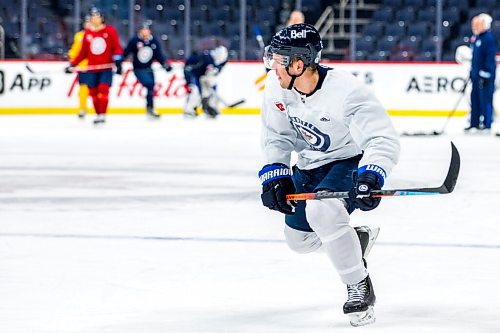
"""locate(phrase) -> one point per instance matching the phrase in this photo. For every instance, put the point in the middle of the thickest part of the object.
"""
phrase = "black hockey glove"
(167, 67)
(118, 65)
(276, 184)
(69, 69)
(366, 182)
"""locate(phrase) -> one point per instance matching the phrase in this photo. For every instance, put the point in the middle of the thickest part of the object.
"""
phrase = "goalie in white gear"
(345, 142)
(200, 72)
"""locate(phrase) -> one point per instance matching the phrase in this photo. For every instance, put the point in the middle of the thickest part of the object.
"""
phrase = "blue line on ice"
(232, 240)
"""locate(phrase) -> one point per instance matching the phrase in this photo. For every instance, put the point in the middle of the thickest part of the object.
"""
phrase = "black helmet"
(94, 11)
(296, 41)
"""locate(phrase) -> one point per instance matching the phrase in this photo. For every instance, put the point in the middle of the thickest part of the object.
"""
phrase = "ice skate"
(471, 130)
(152, 113)
(360, 301)
(367, 238)
(190, 113)
(208, 109)
(100, 119)
(82, 114)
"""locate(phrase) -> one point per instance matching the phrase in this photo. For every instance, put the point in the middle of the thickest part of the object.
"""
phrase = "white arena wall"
(405, 89)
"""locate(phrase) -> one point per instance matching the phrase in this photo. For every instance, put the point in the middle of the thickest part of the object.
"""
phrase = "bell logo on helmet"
(298, 34)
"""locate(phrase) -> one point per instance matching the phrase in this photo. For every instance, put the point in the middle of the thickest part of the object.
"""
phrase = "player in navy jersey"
(145, 49)
(345, 141)
(200, 71)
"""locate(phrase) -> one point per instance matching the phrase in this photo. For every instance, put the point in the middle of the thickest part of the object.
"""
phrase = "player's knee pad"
(93, 91)
(301, 241)
(328, 218)
(193, 99)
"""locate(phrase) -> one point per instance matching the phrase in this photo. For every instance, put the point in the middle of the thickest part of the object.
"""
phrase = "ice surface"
(141, 226)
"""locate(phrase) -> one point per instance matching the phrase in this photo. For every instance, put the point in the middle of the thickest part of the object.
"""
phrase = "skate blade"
(362, 318)
(373, 237)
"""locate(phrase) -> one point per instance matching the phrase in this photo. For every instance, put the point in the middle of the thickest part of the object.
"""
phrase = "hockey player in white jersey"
(345, 141)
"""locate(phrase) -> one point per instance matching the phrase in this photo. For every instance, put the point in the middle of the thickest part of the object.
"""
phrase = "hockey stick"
(258, 37)
(232, 105)
(447, 186)
(448, 118)
(74, 69)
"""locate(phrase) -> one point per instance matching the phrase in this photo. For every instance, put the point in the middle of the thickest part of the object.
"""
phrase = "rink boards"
(405, 89)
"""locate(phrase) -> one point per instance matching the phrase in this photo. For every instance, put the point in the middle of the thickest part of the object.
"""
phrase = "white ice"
(157, 227)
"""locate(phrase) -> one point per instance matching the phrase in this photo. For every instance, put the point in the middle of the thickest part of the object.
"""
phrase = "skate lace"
(356, 292)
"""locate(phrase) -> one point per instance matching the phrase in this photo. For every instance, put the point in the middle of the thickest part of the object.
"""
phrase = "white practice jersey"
(339, 120)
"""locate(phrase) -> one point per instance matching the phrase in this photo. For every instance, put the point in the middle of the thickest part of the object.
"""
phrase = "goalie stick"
(447, 186)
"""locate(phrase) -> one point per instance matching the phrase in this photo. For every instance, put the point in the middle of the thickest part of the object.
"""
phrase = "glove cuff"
(374, 169)
(275, 171)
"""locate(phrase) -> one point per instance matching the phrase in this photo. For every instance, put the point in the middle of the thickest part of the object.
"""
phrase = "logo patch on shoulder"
(280, 106)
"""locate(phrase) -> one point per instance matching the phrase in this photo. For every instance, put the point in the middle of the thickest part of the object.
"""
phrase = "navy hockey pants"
(334, 176)
(482, 103)
(147, 79)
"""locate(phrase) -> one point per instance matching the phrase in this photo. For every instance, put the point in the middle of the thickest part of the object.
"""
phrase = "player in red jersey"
(101, 47)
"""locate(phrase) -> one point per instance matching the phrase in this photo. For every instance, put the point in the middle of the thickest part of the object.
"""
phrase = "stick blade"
(451, 177)
(433, 133)
(241, 101)
(453, 171)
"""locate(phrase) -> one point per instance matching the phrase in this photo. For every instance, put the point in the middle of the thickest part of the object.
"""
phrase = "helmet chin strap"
(292, 81)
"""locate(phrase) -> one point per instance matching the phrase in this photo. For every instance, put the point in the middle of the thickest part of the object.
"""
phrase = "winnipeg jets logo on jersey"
(478, 43)
(98, 45)
(144, 54)
(298, 34)
(316, 139)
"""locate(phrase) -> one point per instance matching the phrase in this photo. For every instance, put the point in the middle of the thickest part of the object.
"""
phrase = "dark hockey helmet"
(145, 25)
(94, 11)
(300, 41)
